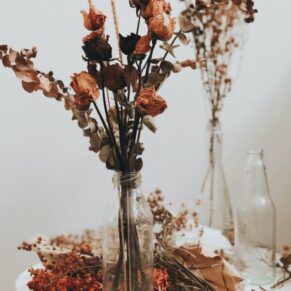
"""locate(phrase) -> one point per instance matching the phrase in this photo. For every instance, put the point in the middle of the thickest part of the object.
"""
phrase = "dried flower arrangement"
(75, 261)
(129, 102)
(217, 28)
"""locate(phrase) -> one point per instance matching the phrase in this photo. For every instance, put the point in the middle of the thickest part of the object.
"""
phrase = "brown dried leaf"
(149, 122)
(25, 75)
(183, 38)
(23, 63)
(176, 67)
(155, 79)
(95, 142)
(30, 86)
(138, 148)
(6, 62)
(185, 24)
(29, 53)
(169, 48)
(105, 153)
(69, 101)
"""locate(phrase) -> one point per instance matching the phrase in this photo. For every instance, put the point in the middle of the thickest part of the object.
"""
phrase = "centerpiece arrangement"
(123, 94)
(125, 99)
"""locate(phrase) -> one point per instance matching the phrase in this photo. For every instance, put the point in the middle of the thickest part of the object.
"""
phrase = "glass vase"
(255, 227)
(128, 237)
(214, 202)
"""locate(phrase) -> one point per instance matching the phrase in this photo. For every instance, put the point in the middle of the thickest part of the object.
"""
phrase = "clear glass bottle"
(255, 226)
(128, 237)
(214, 203)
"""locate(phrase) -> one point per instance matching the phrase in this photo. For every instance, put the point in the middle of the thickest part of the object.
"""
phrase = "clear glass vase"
(128, 237)
(255, 227)
(214, 201)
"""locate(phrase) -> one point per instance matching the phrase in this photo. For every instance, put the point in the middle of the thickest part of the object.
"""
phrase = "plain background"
(50, 183)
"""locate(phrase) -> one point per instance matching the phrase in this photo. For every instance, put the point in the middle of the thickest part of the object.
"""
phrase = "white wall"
(50, 183)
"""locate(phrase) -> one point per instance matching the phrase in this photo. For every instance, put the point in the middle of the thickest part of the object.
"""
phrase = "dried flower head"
(95, 19)
(150, 103)
(84, 84)
(162, 25)
(143, 45)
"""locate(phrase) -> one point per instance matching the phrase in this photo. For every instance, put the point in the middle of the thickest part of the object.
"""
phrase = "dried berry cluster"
(73, 262)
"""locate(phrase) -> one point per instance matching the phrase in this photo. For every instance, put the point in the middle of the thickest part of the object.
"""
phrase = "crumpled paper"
(212, 267)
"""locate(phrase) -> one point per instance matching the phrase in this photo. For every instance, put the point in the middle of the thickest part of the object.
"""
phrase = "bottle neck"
(215, 143)
(256, 184)
(123, 180)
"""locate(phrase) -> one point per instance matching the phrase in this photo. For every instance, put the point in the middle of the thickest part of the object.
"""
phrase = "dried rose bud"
(95, 19)
(143, 45)
(150, 103)
(162, 26)
(114, 77)
(98, 49)
(127, 44)
(85, 85)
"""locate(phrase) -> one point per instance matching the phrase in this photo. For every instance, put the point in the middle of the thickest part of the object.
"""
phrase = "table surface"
(24, 278)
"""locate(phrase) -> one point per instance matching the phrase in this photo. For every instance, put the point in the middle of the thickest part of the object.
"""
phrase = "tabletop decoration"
(74, 259)
(217, 28)
(125, 99)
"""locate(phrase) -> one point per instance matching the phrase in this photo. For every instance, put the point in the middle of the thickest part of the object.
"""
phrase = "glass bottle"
(214, 202)
(255, 227)
(128, 237)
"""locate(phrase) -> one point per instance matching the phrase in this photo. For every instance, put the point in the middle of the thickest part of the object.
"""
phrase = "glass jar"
(128, 237)
(213, 203)
(255, 227)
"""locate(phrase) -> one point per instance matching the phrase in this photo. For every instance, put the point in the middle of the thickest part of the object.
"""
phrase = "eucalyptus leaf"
(149, 122)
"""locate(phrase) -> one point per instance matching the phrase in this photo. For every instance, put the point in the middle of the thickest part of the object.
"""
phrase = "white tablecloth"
(24, 278)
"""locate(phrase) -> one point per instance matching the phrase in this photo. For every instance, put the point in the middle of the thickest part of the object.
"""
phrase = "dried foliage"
(181, 277)
(73, 262)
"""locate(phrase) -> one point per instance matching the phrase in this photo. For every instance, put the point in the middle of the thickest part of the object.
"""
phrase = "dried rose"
(85, 85)
(98, 49)
(114, 77)
(150, 103)
(143, 45)
(163, 26)
(154, 8)
(127, 44)
(95, 19)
